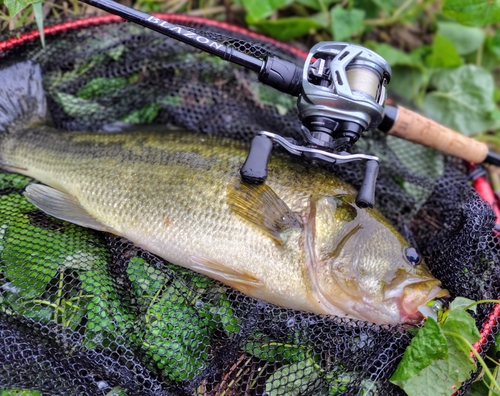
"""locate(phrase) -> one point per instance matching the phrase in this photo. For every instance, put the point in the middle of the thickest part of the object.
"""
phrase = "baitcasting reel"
(342, 95)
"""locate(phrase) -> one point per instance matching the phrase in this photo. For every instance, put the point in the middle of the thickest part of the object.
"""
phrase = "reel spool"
(343, 93)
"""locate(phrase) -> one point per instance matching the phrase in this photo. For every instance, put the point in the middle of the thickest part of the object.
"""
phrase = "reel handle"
(254, 169)
(366, 193)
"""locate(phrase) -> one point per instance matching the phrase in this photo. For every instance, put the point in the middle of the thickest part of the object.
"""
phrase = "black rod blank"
(178, 33)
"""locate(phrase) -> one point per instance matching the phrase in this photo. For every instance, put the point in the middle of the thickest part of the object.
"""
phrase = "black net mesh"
(89, 313)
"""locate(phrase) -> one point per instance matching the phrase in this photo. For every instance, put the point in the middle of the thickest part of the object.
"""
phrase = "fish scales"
(165, 191)
(298, 240)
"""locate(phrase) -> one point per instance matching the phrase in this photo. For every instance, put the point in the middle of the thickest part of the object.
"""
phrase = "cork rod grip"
(419, 129)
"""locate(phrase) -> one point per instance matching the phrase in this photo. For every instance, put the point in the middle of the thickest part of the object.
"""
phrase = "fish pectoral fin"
(62, 206)
(261, 206)
(221, 272)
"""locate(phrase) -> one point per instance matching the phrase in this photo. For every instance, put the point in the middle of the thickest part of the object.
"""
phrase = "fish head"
(365, 268)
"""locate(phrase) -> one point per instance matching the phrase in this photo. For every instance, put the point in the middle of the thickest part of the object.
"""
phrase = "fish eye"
(412, 256)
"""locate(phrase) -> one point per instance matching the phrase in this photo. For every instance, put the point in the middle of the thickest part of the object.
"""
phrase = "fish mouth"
(414, 299)
(424, 299)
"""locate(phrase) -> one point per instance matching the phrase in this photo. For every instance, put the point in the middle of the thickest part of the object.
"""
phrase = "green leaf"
(108, 318)
(272, 97)
(442, 377)
(175, 337)
(15, 6)
(292, 380)
(392, 55)
(465, 39)
(100, 86)
(145, 115)
(494, 43)
(472, 12)
(462, 303)
(19, 392)
(76, 107)
(317, 4)
(463, 99)
(346, 23)
(287, 28)
(285, 351)
(38, 11)
(408, 72)
(428, 345)
(446, 373)
(460, 322)
(443, 53)
(407, 81)
(260, 9)
(384, 5)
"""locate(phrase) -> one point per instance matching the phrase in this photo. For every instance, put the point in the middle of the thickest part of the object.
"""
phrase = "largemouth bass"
(298, 241)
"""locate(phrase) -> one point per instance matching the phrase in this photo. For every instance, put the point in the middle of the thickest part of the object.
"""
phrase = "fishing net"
(89, 313)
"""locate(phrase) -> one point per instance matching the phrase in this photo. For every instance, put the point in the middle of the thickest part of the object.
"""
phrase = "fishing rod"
(341, 93)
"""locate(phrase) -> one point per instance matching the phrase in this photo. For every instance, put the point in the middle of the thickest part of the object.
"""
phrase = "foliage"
(449, 73)
(439, 358)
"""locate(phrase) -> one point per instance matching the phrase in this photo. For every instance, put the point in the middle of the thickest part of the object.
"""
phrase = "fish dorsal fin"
(62, 206)
(221, 272)
(261, 206)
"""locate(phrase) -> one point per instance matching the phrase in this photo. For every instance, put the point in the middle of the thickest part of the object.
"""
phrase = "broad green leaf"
(76, 107)
(462, 303)
(346, 23)
(272, 97)
(45, 248)
(384, 5)
(38, 11)
(407, 70)
(19, 392)
(292, 380)
(463, 99)
(465, 39)
(392, 55)
(175, 336)
(443, 377)
(144, 115)
(428, 345)
(290, 350)
(494, 43)
(108, 318)
(15, 6)
(443, 53)
(287, 28)
(407, 81)
(260, 9)
(421, 160)
(317, 5)
(445, 373)
(460, 322)
(100, 86)
(472, 12)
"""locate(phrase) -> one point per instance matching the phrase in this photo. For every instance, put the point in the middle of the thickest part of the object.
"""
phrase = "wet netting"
(88, 313)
